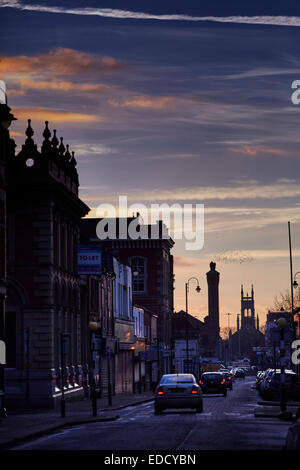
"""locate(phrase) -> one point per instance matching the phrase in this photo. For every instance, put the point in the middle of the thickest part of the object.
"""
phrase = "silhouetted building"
(7, 151)
(247, 335)
(212, 321)
(43, 291)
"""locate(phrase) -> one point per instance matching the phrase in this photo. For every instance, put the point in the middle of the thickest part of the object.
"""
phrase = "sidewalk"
(22, 425)
(268, 409)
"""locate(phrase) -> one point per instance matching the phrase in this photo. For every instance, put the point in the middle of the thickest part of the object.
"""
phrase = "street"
(227, 423)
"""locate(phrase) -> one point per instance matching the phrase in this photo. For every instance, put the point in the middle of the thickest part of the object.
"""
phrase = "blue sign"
(89, 259)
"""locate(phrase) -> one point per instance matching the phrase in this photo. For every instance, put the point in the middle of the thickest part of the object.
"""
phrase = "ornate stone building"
(43, 291)
(7, 149)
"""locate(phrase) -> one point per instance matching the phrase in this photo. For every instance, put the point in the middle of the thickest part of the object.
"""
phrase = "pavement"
(22, 425)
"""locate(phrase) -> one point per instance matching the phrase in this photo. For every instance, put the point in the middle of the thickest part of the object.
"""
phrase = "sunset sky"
(173, 102)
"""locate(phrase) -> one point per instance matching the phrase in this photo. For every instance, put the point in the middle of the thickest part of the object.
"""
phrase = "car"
(213, 382)
(271, 385)
(229, 379)
(259, 377)
(178, 391)
(239, 373)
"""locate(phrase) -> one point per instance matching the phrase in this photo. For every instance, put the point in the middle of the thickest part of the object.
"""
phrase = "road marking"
(231, 414)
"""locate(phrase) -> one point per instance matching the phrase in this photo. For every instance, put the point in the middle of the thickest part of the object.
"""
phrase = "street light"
(228, 315)
(295, 283)
(282, 323)
(198, 289)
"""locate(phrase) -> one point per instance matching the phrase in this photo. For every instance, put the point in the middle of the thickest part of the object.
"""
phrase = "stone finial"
(61, 148)
(46, 134)
(29, 132)
(73, 160)
(67, 154)
(54, 140)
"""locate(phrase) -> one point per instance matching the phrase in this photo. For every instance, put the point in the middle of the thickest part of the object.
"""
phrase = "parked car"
(271, 385)
(239, 373)
(259, 377)
(229, 379)
(178, 391)
(213, 382)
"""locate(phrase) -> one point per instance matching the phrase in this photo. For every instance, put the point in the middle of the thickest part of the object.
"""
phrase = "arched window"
(138, 267)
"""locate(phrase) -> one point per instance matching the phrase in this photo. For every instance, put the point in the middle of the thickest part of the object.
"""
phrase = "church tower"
(247, 309)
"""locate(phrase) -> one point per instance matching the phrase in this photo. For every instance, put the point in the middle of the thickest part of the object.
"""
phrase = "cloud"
(237, 191)
(54, 115)
(58, 85)
(145, 103)
(185, 262)
(257, 150)
(126, 14)
(59, 61)
(260, 72)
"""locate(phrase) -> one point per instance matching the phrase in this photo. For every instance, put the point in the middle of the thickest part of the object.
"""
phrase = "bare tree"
(284, 300)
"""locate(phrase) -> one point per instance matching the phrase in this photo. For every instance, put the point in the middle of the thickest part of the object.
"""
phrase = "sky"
(174, 102)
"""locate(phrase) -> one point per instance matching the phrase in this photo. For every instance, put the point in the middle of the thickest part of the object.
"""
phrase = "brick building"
(152, 267)
(43, 289)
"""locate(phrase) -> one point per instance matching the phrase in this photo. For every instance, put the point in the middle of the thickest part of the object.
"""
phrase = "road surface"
(227, 423)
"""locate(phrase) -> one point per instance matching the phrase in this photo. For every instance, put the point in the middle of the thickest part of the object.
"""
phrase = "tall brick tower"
(213, 278)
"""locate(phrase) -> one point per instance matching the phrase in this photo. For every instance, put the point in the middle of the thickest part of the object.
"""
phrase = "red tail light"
(201, 382)
(194, 391)
(223, 381)
(160, 391)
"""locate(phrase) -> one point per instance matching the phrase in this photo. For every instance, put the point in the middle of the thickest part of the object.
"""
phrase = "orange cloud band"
(59, 86)
(58, 61)
(54, 115)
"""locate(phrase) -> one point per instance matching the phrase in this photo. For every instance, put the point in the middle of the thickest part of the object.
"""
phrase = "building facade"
(152, 269)
(7, 151)
(43, 287)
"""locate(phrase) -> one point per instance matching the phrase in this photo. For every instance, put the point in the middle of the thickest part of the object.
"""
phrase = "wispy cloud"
(244, 191)
(59, 61)
(54, 115)
(59, 85)
(145, 102)
(258, 150)
(126, 14)
(260, 72)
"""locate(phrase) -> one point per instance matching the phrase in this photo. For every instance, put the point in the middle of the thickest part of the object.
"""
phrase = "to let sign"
(89, 260)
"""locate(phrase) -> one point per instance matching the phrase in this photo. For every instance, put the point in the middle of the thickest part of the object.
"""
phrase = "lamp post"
(239, 338)
(93, 328)
(293, 284)
(228, 315)
(186, 315)
(282, 323)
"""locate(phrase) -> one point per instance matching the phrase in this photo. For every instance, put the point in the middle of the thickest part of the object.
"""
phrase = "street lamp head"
(93, 326)
(198, 289)
(295, 284)
(282, 323)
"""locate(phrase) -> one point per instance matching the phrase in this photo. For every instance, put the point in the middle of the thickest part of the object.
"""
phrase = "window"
(138, 266)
